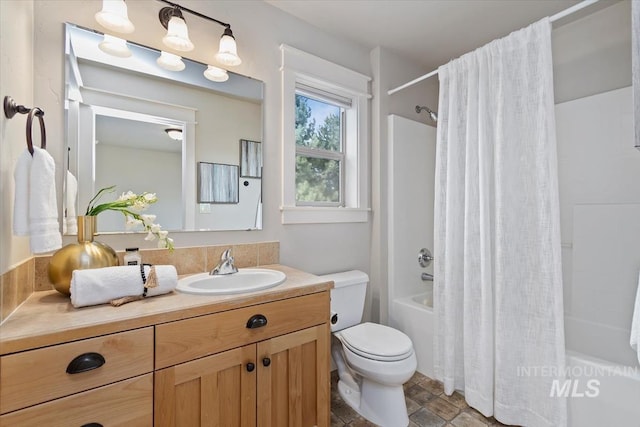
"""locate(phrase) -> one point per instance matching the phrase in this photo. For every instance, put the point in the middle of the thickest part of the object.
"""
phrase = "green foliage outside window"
(317, 179)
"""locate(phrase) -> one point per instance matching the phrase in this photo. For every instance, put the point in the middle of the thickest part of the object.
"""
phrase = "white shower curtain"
(498, 279)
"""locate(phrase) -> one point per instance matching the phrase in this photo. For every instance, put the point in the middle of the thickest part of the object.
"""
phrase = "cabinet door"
(218, 390)
(293, 379)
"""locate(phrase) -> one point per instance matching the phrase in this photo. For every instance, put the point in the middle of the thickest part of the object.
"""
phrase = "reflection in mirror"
(118, 113)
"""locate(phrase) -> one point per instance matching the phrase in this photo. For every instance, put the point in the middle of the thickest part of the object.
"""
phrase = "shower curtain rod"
(559, 15)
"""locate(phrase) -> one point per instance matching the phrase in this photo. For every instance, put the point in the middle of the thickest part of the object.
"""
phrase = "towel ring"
(43, 134)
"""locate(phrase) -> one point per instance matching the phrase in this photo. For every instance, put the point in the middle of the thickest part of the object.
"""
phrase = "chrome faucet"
(225, 266)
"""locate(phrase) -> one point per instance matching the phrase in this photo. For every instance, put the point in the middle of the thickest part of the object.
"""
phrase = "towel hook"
(43, 134)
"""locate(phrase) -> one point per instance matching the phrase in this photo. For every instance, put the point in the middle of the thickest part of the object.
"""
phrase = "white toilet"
(373, 361)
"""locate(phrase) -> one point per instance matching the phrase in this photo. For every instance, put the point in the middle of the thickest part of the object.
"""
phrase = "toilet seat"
(377, 342)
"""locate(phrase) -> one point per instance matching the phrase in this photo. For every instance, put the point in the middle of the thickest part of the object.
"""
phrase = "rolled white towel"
(21, 176)
(635, 324)
(102, 285)
(44, 228)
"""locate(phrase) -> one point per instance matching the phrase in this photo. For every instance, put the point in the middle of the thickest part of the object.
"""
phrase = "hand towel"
(44, 228)
(101, 285)
(70, 224)
(635, 324)
(21, 196)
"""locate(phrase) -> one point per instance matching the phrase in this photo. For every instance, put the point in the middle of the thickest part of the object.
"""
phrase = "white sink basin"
(245, 280)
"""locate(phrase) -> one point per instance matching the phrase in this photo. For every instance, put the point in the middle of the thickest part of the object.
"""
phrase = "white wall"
(259, 30)
(16, 79)
(389, 71)
(599, 176)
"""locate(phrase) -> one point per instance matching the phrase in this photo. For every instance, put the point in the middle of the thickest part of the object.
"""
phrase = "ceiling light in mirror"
(175, 134)
(115, 46)
(113, 16)
(228, 51)
(216, 74)
(170, 62)
(177, 32)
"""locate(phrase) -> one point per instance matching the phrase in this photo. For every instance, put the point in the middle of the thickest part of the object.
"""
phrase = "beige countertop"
(48, 318)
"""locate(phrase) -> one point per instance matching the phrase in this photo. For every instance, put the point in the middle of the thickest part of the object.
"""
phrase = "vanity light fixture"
(115, 46)
(216, 74)
(175, 134)
(113, 16)
(177, 32)
(170, 62)
(227, 51)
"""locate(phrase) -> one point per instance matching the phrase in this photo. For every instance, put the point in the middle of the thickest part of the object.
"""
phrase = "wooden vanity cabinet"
(262, 362)
(273, 382)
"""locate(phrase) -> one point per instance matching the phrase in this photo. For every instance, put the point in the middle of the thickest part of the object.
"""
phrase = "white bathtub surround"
(498, 279)
(635, 324)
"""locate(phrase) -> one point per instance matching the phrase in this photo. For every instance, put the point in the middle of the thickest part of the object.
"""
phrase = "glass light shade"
(175, 134)
(216, 74)
(177, 35)
(228, 51)
(115, 46)
(170, 62)
(113, 16)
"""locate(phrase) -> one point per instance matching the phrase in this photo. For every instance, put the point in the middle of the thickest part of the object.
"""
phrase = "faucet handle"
(226, 255)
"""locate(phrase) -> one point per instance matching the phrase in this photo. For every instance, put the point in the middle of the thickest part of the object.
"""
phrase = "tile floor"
(427, 405)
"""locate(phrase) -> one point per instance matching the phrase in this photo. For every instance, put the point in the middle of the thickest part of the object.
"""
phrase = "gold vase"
(82, 255)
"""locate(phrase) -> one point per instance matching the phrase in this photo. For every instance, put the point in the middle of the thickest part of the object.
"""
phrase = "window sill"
(321, 215)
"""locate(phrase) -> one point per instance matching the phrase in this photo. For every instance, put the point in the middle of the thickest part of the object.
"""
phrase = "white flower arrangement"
(132, 205)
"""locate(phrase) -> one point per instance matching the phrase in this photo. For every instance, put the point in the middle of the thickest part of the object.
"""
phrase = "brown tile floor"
(427, 405)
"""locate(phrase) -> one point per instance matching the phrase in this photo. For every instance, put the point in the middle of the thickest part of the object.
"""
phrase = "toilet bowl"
(373, 361)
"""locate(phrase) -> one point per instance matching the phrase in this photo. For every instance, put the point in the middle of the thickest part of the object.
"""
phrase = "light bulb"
(113, 16)
(115, 46)
(178, 35)
(170, 62)
(228, 50)
(216, 74)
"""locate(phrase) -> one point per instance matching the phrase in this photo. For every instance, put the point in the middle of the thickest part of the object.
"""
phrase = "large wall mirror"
(133, 124)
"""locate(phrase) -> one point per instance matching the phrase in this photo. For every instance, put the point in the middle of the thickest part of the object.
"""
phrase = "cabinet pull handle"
(92, 425)
(250, 367)
(85, 362)
(256, 321)
(266, 361)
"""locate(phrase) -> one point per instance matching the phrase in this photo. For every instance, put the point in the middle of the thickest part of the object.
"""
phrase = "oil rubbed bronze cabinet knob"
(250, 367)
(266, 361)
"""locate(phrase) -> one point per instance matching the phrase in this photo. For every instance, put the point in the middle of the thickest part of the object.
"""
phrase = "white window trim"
(302, 67)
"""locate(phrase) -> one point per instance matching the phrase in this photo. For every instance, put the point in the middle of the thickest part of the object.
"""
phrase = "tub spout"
(427, 277)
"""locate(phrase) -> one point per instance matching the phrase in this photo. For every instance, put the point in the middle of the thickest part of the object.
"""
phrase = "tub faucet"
(225, 266)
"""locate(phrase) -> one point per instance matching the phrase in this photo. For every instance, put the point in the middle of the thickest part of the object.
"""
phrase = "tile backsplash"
(31, 276)
(15, 286)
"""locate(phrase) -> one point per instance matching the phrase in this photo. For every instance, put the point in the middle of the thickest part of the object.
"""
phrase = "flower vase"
(82, 255)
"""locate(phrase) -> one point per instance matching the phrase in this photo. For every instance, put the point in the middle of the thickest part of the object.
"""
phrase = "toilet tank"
(347, 297)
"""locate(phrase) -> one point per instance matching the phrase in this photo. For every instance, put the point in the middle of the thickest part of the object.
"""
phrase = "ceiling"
(426, 32)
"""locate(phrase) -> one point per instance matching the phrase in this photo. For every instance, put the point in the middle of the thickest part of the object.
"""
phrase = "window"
(319, 131)
(325, 110)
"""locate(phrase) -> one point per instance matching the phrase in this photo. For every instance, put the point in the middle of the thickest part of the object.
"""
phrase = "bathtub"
(413, 315)
(615, 403)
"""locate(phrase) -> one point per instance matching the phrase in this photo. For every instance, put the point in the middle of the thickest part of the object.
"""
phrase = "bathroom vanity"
(174, 360)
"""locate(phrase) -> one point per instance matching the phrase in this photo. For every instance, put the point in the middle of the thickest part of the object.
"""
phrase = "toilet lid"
(377, 342)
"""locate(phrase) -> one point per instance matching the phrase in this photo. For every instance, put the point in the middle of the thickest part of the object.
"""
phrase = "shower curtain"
(498, 281)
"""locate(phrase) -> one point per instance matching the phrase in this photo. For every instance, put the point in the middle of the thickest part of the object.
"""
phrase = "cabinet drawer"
(36, 376)
(126, 403)
(188, 339)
